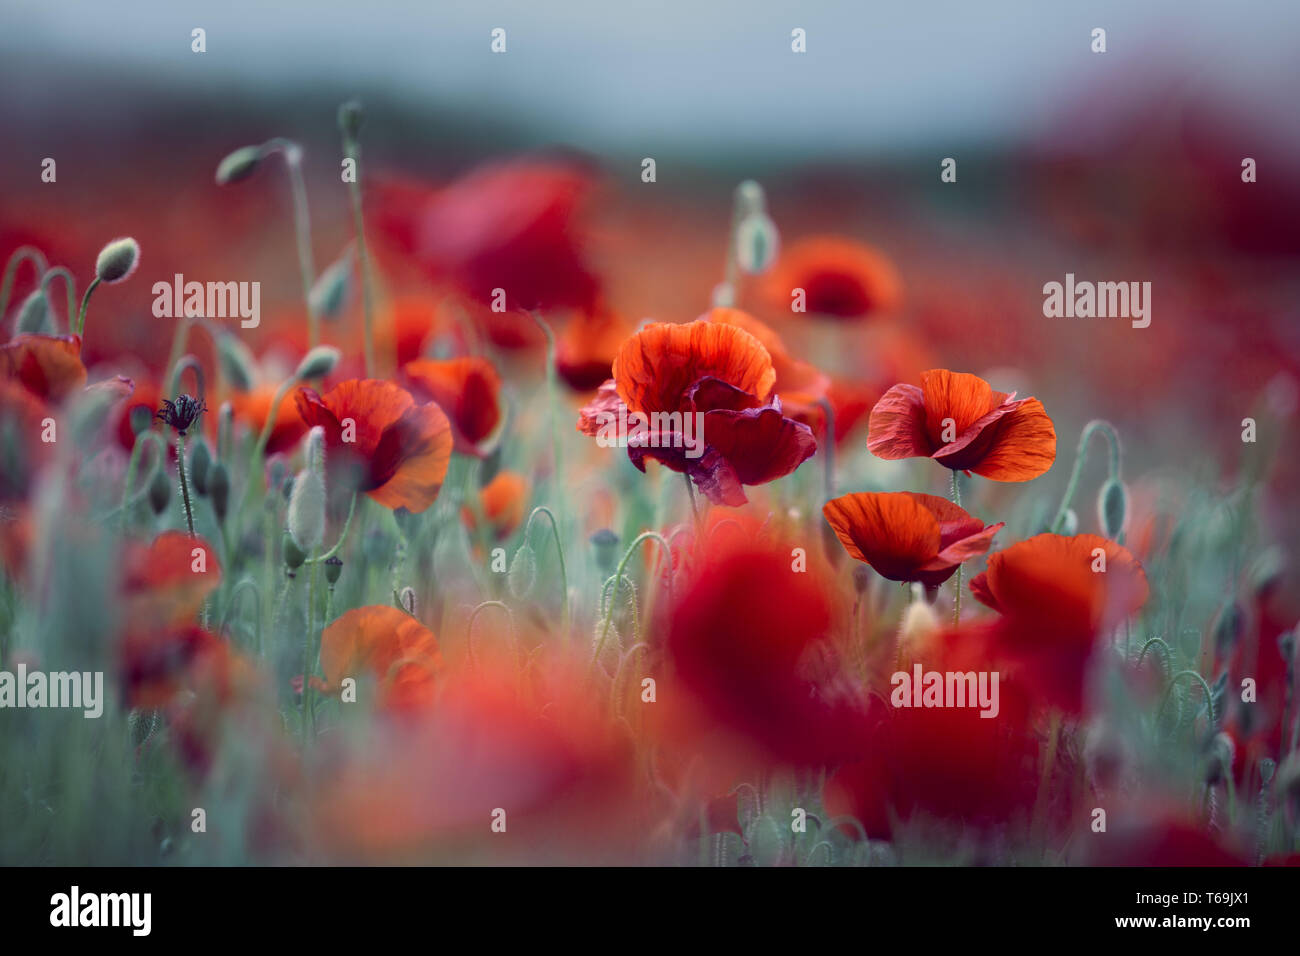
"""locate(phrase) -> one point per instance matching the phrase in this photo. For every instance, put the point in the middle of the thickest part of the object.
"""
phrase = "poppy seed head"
(181, 413)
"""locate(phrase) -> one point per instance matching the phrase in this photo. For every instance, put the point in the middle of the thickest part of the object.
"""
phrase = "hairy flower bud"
(34, 315)
(757, 241)
(200, 466)
(293, 555)
(238, 165)
(350, 118)
(117, 260)
(330, 291)
(307, 510)
(160, 491)
(1112, 508)
(219, 489)
(318, 362)
(237, 362)
(523, 572)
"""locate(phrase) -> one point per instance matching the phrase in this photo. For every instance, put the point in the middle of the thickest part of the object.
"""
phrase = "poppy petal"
(412, 456)
(655, 367)
(891, 531)
(896, 427)
(1024, 445)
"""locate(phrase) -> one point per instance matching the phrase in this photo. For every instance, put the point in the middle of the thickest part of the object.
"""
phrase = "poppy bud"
(307, 510)
(1218, 761)
(34, 315)
(318, 362)
(756, 243)
(142, 724)
(219, 489)
(750, 198)
(1070, 525)
(237, 362)
(200, 466)
(406, 600)
(1267, 571)
(293, 555)
(286, 488)
(330, 291)
(1112, 508)
(117, 260)
(238, 165)
(225, 428)
(523, 572)
(350, 118)
(1228, 627)
(316, 450)
(919, 622)
(160, 491)
(333, 568)
(605, 545)
(141, 419)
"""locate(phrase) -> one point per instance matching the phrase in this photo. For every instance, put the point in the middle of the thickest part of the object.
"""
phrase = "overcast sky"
(616, 74)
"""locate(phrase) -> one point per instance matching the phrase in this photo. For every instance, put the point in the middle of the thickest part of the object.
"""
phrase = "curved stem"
(69, 287)
(343, 535)
(1106, 428)
(16, 258)
(552, 397)
(1205, 688)
(618, 576)
(292, 154)
(147, 437)
(1169, 651)
(85, 301)
(469, 627)
(559, 550)
(190, 363)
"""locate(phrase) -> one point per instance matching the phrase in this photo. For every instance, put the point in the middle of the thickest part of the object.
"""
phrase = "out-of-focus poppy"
(1163, 836)
(406, 327)
(22, 422)
(509, 225)
(906, 536)
(156, 663)
(1056, 595)
(380, 442)
(962, 423)
(388, 645)
(586, 347)
(468, 390)
(503, 501)
(738, 645)
(165, 582)
(251, 409)
(48, 366)
(840, 277)
(717, 376)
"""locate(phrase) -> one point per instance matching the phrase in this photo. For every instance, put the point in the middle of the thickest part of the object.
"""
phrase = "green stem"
(956, 499)
(469, 627)
(307, 644)
(144, 438)
(830, 447)
(17, 258)
(559, 551)
(85, 301)
(1205, 689)
(353, 151)
(292, 154)
(69, 287)
(185, 487)
(1106, 428)
(552, 397)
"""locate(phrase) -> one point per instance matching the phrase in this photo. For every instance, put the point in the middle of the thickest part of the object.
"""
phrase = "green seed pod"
(1070, 526)
(1112, 508)
(523, 572)
(605, 545)
(141, 419)
(237, 362)
(219, 489)
(117, 260)
(293, 555)
(34, 315)
(757, 241)
(350, 118)
(318, 362)
(160, 491)
(330, 292)
(306, 516)
(238, 165)
(333, 568)
(200, 467)
(406, 600)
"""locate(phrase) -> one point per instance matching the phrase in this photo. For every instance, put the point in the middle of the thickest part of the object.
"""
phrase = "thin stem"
(343, 536)
(185, 487)
(292, 154)
(353, 151)
(1106, 428)
(830, 447)
(190, 363)
(18, 257)
(69, 287)
(618, 576)
(695, 510)
(144, 438)
(307, 643)
(469, 627)
(1205, 689)
(559, 550)
(552, 397)
(85, 301)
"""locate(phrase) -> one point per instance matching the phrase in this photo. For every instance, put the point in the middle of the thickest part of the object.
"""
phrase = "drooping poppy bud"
(200, 467)
(34, 315)
(293, 555)
(238, 165)
(117, 260)
(219, 489)
(160, 492)
(318, 362)
(523, 572)
(1112, 508)
(306, 516)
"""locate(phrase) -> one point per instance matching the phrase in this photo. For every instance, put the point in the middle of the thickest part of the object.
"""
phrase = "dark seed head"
(333, 568)
(182, 413)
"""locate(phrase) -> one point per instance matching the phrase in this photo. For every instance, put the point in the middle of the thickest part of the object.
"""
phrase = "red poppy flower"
(962, 423)
(48, 366)
(711, 373)
(388, 645)
(1164, 837)
(165, 582)
(251, 409)
(587, 345)
(738, 643)
(840, 277)
(503, 501)
(379, 441)
(468, 390)
(1056, 595)
(508, 225)
(907, 536)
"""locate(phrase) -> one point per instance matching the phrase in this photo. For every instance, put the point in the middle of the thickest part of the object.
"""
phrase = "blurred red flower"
(840, 278)
(468, 390)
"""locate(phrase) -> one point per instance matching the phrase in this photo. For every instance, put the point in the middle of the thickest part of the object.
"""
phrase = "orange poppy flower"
(840, 277)
(406, 328)
(385, 643)
(503, 501)
(165, 582)
(1056, 595)
(251, 408)
(587, 345)
(907, 536)
(794, 378)
(714, 374)
(48, 366)
(468, 390)
(962, 423)
(379, 441)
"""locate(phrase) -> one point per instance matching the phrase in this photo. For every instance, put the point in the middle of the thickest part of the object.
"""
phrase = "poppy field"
(365, 504)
